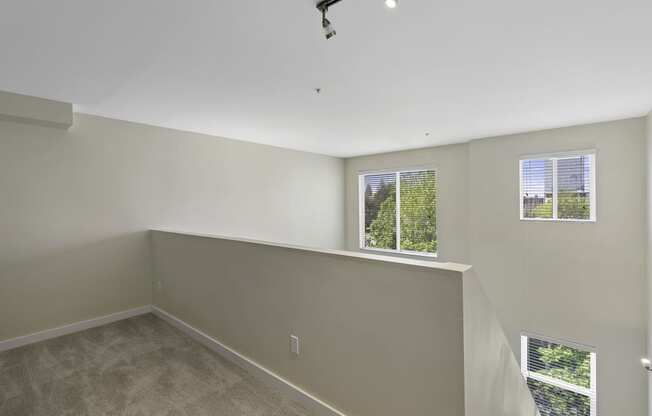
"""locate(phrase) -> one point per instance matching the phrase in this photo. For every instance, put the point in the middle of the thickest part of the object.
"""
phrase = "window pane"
(380, 211)
(554, 401)
(574, 187)
(536, 177)
(560, 362)
(418, 211)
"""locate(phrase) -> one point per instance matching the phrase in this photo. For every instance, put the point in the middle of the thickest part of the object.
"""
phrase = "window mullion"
(559, 383)
(592, 189)
(593, 388)
(524, 363)
(398, 211)
(555, 196)
(362, 215)
(521, 201)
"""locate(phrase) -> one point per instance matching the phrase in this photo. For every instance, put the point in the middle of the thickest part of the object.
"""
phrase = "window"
(398, 212)
(561, 376)
(558, 187)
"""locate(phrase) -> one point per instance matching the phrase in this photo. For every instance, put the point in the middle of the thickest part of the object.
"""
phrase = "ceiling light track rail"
(323, 6)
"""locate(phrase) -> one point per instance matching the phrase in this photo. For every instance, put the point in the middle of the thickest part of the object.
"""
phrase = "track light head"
(329, 32)
(323, 5)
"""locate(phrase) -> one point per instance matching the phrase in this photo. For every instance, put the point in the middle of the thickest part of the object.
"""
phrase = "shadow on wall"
(50, 288)
(493, 382)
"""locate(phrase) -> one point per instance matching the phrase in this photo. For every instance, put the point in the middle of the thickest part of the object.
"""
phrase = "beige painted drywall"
(529, 268)
(37, 111)
(377, 338)
(451, 163)
(75, 206)
(578, 281)
(493, 385)
(648, 155)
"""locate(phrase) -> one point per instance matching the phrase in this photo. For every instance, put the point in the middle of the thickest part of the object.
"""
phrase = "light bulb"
(391, 3)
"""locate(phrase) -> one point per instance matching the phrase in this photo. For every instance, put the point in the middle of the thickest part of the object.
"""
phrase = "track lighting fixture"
(329, 32)
(323, 6)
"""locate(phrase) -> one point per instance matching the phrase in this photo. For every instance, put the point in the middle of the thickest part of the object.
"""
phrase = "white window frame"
(591, 392)
(361, 211)
(555, 157)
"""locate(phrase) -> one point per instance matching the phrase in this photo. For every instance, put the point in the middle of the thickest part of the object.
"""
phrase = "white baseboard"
(268, 377)
(70, 328)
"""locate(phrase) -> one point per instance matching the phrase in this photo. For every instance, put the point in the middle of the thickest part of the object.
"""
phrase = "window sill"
(558, 220)
(413, 254)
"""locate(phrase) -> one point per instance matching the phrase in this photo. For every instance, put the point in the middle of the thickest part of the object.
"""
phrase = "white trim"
(275, 381)
(555, 157)
(389, 251)
(558, 220)
(559, 383)
(362, 220)
(524, 352)
(555, 190)
(590, 392)
(560, 341)
(362, 243)
(520, 187)
(403, 169)
(594, 386)
(397, 210)
(594, 201)
(72, 328)
(559, 155)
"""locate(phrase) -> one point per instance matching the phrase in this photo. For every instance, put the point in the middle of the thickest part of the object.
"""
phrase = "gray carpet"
(140, 366)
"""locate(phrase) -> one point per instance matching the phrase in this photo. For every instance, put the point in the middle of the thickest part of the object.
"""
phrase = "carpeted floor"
(140, 366)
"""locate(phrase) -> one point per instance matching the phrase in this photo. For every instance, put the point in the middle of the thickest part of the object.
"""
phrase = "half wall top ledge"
(453, 267)
(35, 111)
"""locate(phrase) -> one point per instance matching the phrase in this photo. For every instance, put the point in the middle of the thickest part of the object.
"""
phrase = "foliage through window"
(399, 211)
(561, 377)
(560, 187)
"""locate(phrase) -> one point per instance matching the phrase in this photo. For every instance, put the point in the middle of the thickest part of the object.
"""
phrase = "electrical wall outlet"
(159, 285)
(294, 344)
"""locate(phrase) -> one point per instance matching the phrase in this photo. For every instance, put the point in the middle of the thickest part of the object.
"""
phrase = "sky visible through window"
(537, 175)
(574, 175)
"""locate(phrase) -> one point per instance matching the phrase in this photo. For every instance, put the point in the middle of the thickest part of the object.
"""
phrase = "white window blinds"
(380, 211)
(560, 187)
(399, 212)
(561, 377)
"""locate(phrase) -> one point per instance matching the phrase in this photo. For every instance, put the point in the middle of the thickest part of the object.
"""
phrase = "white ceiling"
(246, 69)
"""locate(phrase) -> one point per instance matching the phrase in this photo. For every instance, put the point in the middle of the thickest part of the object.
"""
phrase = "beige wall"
(529, 268)
(36, 111)
(493, 385)
(648, 155)
(451, 163)
(578, 281)
(75, 206)
(377, 338)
